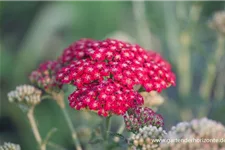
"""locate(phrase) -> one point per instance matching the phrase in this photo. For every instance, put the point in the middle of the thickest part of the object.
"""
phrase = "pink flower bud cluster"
(45, 76)
(139, 117)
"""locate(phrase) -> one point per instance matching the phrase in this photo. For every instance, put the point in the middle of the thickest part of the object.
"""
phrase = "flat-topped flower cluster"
(125, 63)
(105, 73)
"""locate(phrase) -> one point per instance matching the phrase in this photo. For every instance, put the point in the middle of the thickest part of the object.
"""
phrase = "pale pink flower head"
(45, 76)
(139, 117)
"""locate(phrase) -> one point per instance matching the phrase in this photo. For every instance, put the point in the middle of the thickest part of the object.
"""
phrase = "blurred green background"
(32, 32)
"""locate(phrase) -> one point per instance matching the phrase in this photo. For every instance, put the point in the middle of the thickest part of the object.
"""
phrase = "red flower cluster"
(75, 51)
(109, 69)
(107, 97)
(139, 117)
(125, 63)
(45, 76)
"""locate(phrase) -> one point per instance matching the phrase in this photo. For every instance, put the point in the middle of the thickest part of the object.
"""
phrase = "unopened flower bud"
(141, 141)
(135, 142)
(45, 77)
(143, 138)
(25, 94)
(140, 117)
(10, 146)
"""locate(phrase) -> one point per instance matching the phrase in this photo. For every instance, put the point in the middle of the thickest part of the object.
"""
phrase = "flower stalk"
(59, 97)
(210, 73)
(107, 127)
(33, 124)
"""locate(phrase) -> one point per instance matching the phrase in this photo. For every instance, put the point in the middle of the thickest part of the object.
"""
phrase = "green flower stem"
(107, 127)
(186, 41)
(106, 131)
(46, 97)
(33, 124)
(72, 129)
(180, 43)
(210, 74)
(59, 97)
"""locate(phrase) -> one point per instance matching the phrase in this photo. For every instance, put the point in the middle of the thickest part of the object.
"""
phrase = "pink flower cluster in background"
(45, 76)
(139, 117)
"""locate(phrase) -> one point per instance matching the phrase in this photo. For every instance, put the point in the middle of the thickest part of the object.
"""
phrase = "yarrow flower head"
(106, 98)
(111, 63)
(139, 117)
(120, 61)
(144, 139)
(10, 146)
(25, 94)
(203, 129)
(45, 76)
(75, 51)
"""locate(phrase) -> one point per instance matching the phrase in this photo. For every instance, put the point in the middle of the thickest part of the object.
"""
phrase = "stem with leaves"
(33, 124)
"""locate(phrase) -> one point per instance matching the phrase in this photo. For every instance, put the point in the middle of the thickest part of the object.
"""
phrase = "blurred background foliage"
(32, 32)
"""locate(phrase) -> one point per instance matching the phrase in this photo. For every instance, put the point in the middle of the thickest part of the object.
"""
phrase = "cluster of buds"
(218, 22)
(9, 146)
(45, 76)
(147, 138)
(89, 63)
(25, 94)
(203, 129)
(152, 99)
(139, 117)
